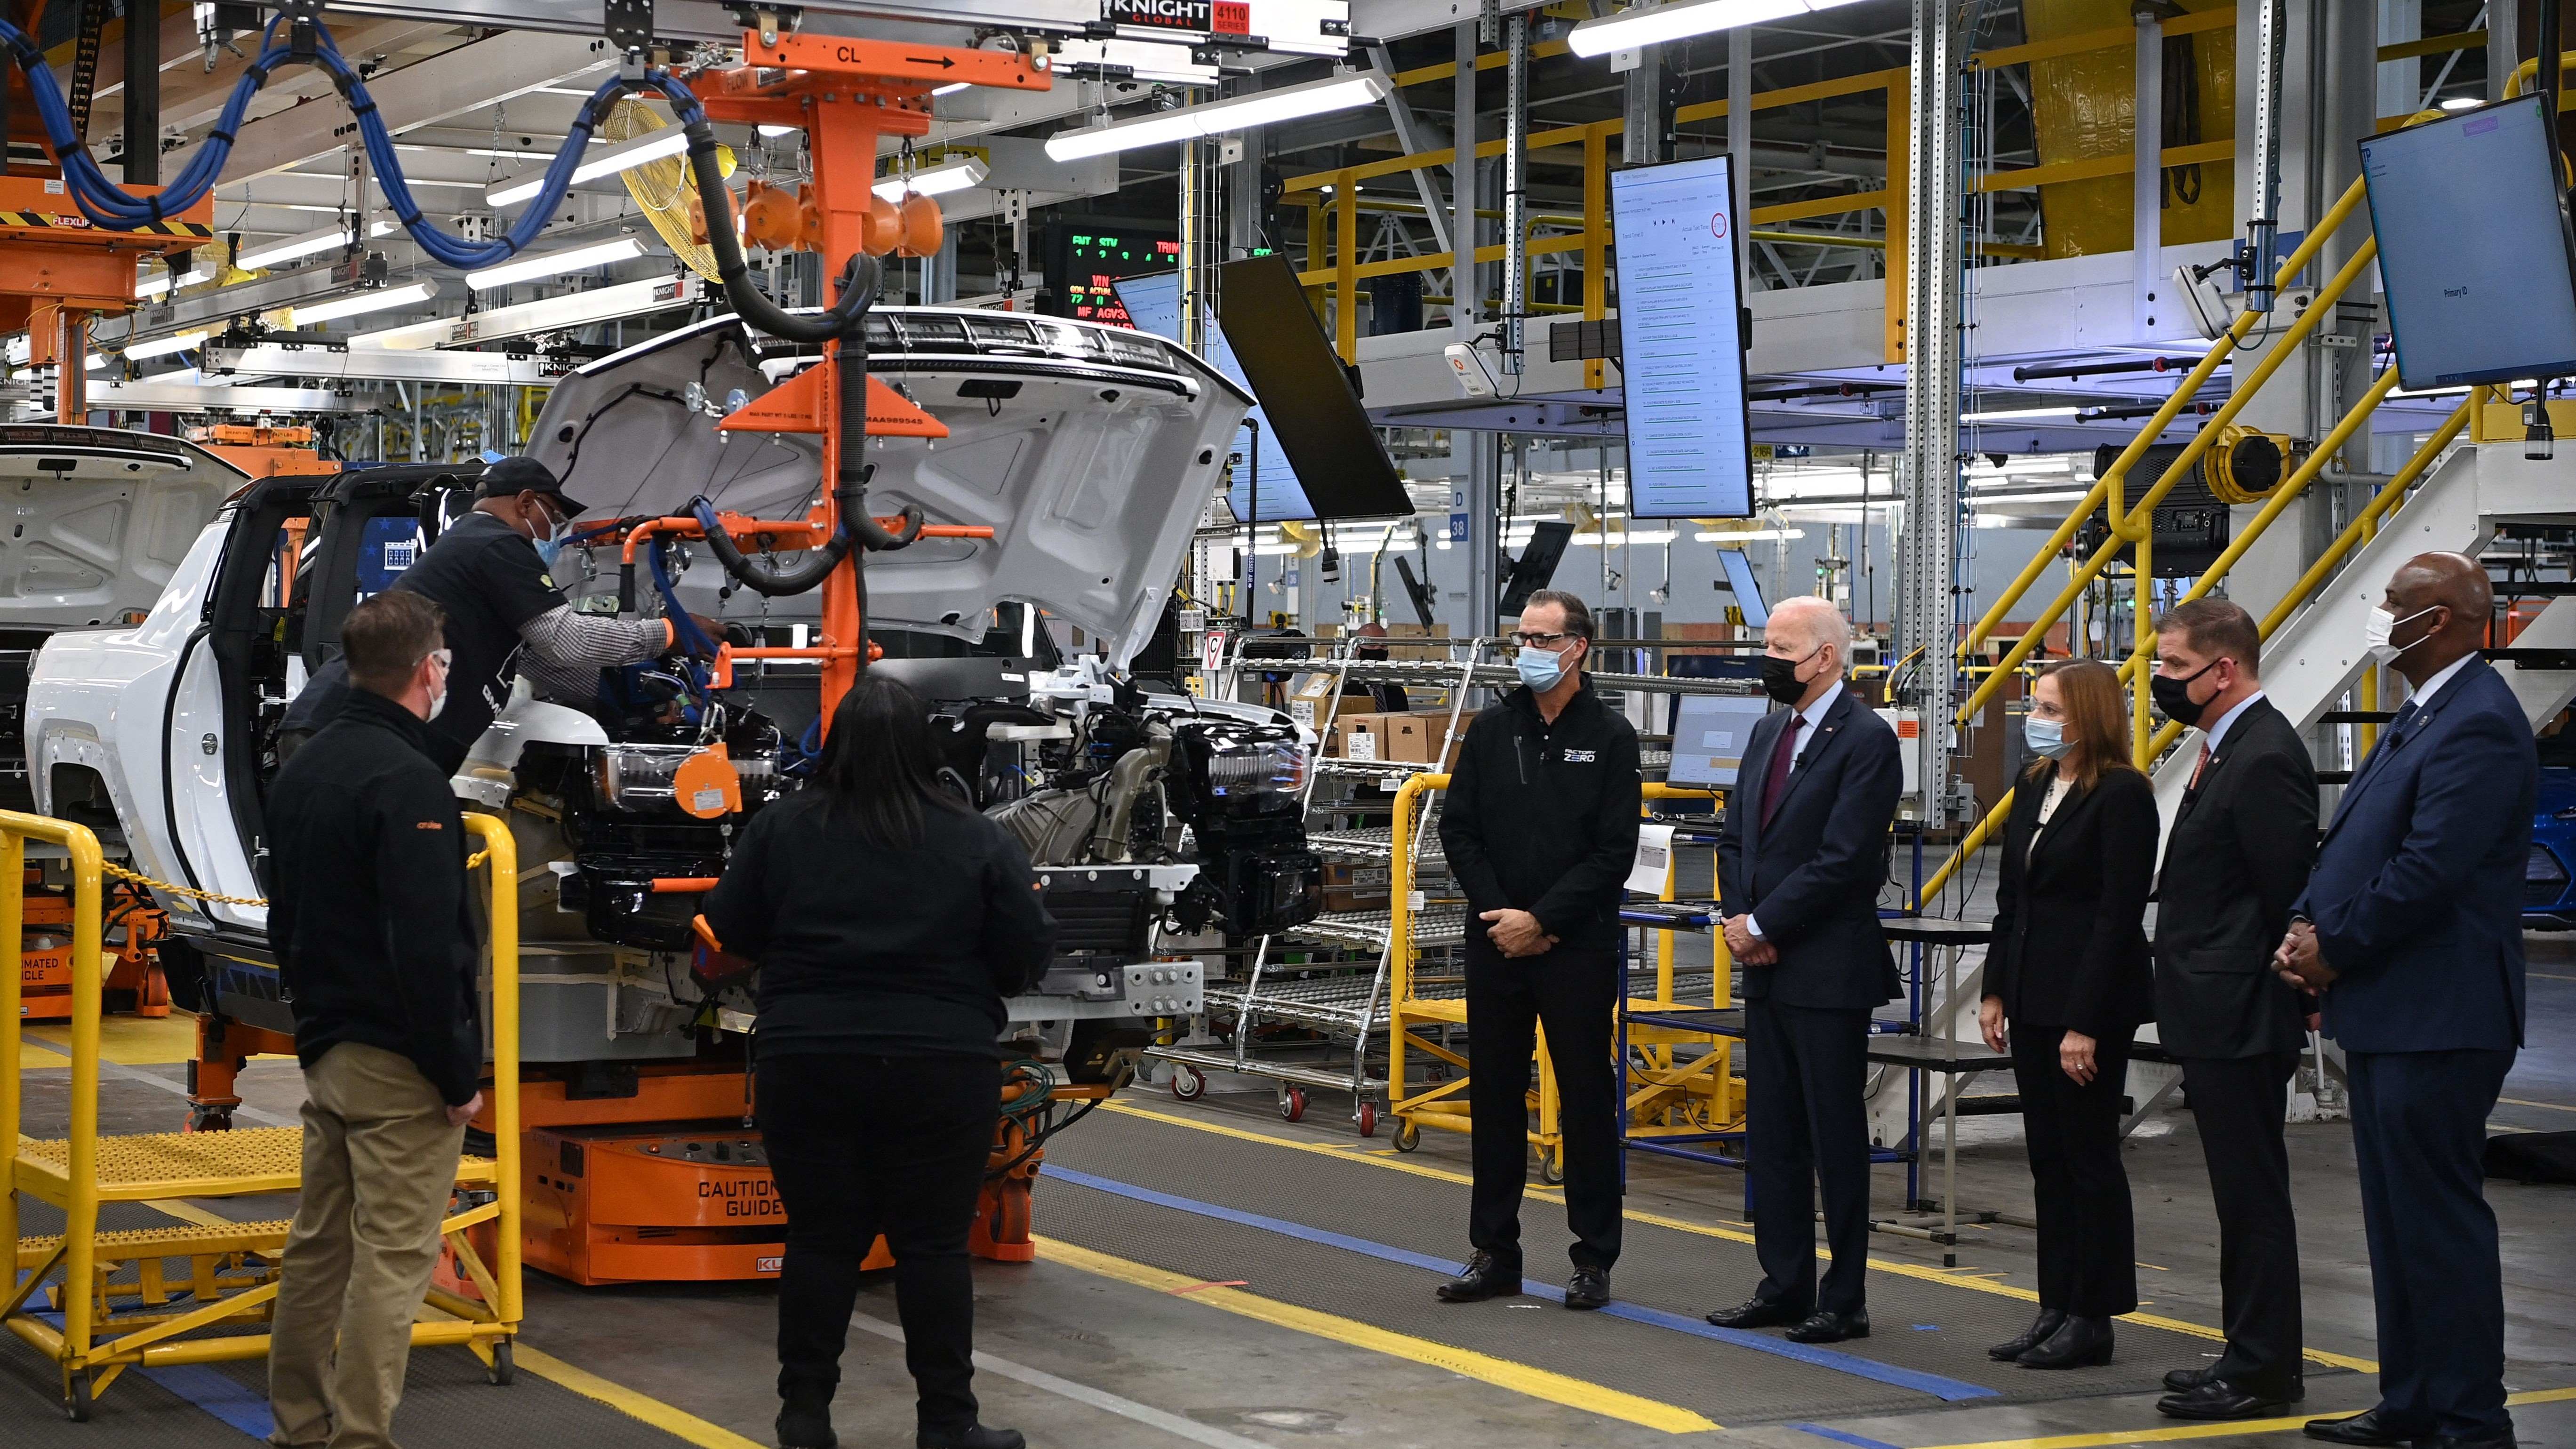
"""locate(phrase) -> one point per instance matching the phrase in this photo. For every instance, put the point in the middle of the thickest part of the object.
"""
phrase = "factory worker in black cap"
(492, 572)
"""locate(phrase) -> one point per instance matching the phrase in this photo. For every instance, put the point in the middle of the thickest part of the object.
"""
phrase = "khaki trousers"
(379, 1162)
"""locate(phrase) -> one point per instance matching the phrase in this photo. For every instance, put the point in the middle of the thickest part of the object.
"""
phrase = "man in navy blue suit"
(2411, 928)
(1800, 863)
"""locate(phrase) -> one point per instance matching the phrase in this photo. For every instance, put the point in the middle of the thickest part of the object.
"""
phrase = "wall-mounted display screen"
(1085, 255)
(1681, 341)
(2474, 250)
(1153, 304)
(1311, 402)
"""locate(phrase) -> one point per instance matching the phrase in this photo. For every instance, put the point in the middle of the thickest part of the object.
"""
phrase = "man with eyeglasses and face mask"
(491, 573)
(1799, 866)
(1540, 828)
(2410, 929)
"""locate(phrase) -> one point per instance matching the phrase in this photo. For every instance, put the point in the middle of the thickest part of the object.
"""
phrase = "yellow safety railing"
(233, 1273)
(2132, 527)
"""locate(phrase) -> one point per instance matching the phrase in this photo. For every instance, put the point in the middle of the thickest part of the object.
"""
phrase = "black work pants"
(1805, 1127)
(1575, 993)
(2088, 1253)
(2239, 1104)
(863, 1145)
(2419, 1137)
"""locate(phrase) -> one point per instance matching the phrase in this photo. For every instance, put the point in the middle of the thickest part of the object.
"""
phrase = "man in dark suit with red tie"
(2236, 858)
(1800, 863)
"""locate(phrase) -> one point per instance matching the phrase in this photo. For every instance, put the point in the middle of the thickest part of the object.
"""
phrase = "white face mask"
(2382, 624)
(438, 698)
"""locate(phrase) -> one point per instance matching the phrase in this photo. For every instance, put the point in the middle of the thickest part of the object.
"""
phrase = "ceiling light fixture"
(360, 303)
(164, 346)
(154, 286)
(2017, 415)
(624, 156)
(269, 254)
(1750, 535)
(1260, 108)
(528, 269)
(1647, 26)
(939, 180)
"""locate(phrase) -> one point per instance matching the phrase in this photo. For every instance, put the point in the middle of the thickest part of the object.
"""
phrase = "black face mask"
(1780, 677)
(2172, 694)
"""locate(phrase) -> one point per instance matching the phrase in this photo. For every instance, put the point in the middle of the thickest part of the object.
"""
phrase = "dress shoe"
(2493, 1439)
(2217, 1399)
(2046, 1323)
(1485, 1278)
(2183, 1381)
(1824, 1327)
(1756, 1313)
(1588, 1288)
(2077, 1343)
(973, 1436)
(2365, 1428)
(805, 1420)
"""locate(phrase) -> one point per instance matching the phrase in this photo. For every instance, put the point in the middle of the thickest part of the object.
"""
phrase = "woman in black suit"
(2069, 972)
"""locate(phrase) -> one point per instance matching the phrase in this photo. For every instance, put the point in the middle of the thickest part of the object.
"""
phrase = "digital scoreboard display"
(1681, 340)
(1085, 256)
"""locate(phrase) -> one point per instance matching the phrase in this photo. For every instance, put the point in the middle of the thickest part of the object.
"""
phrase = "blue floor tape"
(1857, 1441)
(1950, 1390)
(218, 1394)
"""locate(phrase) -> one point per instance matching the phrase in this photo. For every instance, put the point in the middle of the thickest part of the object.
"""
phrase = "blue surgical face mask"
(551, 545)
(2044, 736)
(1540, 669)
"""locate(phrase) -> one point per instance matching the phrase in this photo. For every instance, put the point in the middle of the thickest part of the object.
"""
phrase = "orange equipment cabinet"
(134, 984)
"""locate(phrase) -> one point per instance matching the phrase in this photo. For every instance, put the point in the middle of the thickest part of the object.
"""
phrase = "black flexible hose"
(843, 320)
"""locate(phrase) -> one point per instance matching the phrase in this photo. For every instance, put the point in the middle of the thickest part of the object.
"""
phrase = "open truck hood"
(1090, 450)
(93, 521)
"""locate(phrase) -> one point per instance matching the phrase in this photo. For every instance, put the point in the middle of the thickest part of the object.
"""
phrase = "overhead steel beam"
(156, 395)
(1416, 137)
(698, 20)
(460, 80)
(497, 369)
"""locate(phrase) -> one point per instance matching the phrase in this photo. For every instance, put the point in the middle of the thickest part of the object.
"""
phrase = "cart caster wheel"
(1292, 1104)
(503, 1371)
(76, 1399)
(1551, 1170)
(1408, 1136)
(210, 1119)
(1368, 1118)
(1188, 1083)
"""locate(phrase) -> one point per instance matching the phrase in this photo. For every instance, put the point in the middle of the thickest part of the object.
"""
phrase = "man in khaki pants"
(368, 918)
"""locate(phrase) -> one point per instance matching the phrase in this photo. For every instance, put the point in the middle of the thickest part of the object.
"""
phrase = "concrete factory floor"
(1214, 1276)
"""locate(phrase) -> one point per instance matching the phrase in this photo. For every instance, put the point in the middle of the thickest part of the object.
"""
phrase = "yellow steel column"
(80, 1214)
(1346, 261)
(1596, 235)
(13, 910)
(501, 865)
(1900, 140)
(2142, 566)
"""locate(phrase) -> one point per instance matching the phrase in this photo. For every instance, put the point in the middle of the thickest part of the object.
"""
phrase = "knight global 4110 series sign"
(1208, 17)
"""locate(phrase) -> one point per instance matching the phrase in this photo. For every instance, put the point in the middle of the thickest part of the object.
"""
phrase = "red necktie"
(1774, 785)
(2197, 770)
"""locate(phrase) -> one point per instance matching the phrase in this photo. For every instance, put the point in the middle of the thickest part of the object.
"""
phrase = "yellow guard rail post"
(94, 1328)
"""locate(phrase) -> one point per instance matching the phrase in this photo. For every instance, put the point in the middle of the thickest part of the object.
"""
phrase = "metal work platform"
(1338, 1232)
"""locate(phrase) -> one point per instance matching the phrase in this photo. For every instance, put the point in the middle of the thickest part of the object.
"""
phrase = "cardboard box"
(1417, 738)
(1362, 736)
(1397, 650)
(1308, 697)
(1355, 887)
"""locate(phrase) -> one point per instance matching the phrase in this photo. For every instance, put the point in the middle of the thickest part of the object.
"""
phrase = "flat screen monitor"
(1311, 402)
(1710, 733)
(1536, 566)
(1741, 583)
(1153, 304)
(1681, 341)
(2474, 250)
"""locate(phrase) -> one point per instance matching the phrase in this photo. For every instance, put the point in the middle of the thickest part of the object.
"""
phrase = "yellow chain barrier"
(136, 877)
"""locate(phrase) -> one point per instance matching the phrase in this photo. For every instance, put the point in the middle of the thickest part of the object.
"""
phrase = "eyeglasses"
(446, 659)
(1537, 641)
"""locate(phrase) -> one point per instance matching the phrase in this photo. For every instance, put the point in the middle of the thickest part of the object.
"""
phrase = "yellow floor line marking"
(1521, 1378)
(188, 1212)
(133, 1041)
(678, 1423)
(2544, 1106)
(2174, 1432)
(33, 1053)
(2549, 975)
(1884, 1265)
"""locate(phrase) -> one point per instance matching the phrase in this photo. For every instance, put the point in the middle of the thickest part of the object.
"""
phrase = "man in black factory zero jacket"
(1540, 827)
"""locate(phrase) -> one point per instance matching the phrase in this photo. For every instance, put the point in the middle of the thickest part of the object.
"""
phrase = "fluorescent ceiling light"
(774, 132)
(1262, 108)
(2014, 415)
(2054, 495)
(1647, 26)
(937, 180)
(164, 346)
(360, 303)
(951, 88)
(269, 254)
(1751, 535)
(1633, 535)
(159, 282)
(2462, 103)
(525, 269)
(547, 314)
(624, 156)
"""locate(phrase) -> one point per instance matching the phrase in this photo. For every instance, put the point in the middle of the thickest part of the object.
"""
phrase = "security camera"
(1467, 365)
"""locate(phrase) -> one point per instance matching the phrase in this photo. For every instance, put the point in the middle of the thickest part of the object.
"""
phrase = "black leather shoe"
(2183, 1381)
(1823, 1327)
(973, 1436)
(2048, 1322)
(805, 1420)
(1485, 1278)
(2499, 1439)
(2077, 1343)
(2365, 1428)
(2217, 1399)
(1588, 1288)
(1756, 1313)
